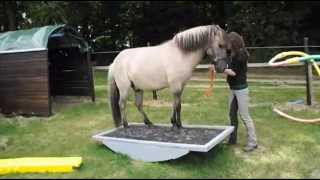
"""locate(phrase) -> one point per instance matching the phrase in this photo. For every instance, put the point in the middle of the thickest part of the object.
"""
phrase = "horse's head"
(219, 48)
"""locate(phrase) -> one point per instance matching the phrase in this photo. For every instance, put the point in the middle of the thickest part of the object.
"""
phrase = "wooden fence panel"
(24, 83)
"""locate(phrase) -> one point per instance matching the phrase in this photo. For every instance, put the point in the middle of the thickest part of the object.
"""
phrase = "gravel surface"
(199, 136)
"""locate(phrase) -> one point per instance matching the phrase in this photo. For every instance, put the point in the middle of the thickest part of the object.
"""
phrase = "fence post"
(155, 96)
(308, 71)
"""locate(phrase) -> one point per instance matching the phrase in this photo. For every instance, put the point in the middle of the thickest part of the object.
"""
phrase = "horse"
(167, 65)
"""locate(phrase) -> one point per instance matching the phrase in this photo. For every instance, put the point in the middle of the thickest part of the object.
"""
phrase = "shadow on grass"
(202, 157)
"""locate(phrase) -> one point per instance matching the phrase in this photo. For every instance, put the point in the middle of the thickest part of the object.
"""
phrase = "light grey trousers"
(239, 102)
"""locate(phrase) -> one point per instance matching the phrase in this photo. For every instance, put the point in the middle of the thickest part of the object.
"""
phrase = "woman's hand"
(229, 72)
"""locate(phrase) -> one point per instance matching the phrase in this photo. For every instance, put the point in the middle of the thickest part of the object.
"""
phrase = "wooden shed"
(39, 63)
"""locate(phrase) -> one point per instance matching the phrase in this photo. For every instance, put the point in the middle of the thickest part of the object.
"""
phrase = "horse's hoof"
(173, 121)
(175, 127)
(179, 126)
(125, 125)
(148, 123)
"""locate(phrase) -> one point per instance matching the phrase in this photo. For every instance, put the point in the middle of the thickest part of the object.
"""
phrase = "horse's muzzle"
(221, 64)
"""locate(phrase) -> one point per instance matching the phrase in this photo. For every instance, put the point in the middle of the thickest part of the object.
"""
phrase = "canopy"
(37, 39)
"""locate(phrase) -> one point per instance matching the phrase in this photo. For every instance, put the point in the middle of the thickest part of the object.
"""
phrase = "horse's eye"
(220, 46)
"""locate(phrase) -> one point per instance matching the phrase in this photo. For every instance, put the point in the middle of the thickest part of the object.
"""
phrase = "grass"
(287, 149)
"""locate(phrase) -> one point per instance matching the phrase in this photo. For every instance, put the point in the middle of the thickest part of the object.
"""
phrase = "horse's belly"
(149, 82)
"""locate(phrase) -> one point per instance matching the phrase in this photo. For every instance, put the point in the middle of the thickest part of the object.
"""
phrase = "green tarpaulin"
(37, 39)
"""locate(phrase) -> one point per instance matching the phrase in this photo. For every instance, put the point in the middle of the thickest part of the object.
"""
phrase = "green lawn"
(287, 149)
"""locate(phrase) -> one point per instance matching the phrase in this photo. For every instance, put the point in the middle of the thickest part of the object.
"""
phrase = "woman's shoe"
(250, 148)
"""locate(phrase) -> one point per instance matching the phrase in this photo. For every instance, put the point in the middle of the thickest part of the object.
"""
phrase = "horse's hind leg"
(124, 90)
(139, 104)
(123, 104)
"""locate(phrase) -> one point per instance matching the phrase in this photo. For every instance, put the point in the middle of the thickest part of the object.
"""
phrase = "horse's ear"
(227, 28)
(218, 28)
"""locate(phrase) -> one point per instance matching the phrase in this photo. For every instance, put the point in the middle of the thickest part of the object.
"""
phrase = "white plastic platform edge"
(154, 151)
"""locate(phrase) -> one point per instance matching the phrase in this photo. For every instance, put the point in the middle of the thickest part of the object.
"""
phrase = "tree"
(158, 21)
(41, 13)
(261, 23)
(269, 22)
(11, 12)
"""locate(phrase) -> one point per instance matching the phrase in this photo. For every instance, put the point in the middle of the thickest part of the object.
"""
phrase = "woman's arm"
(229, 72)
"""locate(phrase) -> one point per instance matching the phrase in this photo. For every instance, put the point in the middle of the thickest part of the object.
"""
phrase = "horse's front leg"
(178, 109)
(175, 119)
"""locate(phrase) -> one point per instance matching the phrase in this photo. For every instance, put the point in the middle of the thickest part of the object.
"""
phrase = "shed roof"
(36, 38)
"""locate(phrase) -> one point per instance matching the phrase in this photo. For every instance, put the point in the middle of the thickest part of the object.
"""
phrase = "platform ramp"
(160, 142)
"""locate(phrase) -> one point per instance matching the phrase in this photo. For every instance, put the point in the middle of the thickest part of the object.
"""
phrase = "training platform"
(160, 142)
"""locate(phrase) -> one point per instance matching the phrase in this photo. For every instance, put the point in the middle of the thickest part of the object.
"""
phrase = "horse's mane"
(195, 38)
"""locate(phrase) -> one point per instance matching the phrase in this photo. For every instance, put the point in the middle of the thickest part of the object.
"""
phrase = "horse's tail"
(114, 98)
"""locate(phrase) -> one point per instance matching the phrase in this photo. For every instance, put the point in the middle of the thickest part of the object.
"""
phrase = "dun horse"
(168, 65)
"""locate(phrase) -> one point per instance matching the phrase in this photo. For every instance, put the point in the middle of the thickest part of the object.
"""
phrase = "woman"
(239, 92)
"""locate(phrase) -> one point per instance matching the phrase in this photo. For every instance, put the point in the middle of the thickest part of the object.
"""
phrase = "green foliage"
(269, 22)
(139, 22)
(42, 13)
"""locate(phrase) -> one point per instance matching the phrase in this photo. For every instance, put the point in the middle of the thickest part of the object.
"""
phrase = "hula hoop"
(315, 65)
(310, 58)
(285, 54)
(309, 121)
(295, 60)
(304, 57)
